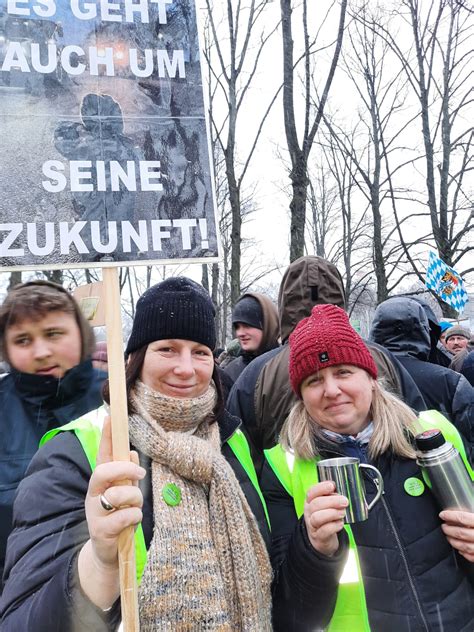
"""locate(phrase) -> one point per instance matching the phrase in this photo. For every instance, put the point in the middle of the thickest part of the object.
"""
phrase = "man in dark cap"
(255, 322)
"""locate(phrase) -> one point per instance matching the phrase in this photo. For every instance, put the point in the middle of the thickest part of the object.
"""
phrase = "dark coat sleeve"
(241, 404)
(42, 591)
(402, 383)
(467, 368)
(234, 368)
(463, 411)
(305, 582)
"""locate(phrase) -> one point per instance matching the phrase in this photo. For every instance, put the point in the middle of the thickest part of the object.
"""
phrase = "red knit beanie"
(326, 338)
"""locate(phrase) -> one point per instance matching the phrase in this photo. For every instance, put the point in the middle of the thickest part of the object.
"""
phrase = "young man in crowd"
(47, 344)
(255, 322)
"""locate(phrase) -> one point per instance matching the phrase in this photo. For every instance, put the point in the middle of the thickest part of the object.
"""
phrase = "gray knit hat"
(457, 330)
(175, 308)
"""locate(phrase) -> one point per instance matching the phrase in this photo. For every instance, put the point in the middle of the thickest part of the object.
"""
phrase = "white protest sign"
(104, 153)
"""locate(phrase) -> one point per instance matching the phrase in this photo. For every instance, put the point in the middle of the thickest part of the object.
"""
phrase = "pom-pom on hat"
(175, 308)
(323, 339)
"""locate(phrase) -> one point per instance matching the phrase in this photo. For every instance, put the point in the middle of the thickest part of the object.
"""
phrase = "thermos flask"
(450, 481)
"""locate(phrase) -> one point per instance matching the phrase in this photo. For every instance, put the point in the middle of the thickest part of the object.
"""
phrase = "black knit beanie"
(248, 311)
(175, 308)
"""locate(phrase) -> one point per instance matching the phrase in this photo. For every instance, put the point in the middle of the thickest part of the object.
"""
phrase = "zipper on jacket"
(405, 562)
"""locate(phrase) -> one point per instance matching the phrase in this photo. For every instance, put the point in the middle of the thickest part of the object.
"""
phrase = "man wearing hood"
(262, 396)
(255, 322)
(438, 352)
(401, 325)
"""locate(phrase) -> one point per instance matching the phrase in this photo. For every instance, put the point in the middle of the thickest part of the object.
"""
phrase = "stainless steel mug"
(345, 472)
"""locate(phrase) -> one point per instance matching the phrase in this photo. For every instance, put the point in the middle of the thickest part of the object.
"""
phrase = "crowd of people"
(233, 528)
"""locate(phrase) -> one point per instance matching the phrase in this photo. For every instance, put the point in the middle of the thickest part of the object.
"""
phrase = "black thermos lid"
(429, 440)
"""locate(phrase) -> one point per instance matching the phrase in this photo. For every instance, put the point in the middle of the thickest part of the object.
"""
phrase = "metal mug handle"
(379, 483)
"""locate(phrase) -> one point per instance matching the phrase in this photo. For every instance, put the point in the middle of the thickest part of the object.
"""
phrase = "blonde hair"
(392, 419)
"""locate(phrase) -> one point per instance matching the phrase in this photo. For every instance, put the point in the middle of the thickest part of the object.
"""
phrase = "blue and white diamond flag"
(446, 283)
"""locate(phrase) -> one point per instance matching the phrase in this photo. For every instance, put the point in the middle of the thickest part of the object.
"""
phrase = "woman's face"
(49, 346)
(177, 368)
(339, 397)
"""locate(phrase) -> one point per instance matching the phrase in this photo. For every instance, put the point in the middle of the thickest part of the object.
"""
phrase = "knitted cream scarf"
(207, 566)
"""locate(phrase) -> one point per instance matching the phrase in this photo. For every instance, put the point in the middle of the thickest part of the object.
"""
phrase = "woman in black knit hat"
(200, 542)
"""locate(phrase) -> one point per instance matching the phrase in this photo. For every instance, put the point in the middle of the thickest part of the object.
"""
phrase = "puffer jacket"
(400, 324)
(262, 395)
(414, 581)
(42, 591)
(31, 405)
(270, 335)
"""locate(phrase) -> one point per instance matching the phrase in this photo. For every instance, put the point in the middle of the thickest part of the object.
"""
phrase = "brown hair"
(33, 301)
(393, 422)
(133, 368)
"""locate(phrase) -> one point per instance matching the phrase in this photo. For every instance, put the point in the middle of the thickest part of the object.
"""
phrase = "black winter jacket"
(414, 581)
(42, 591)
(236, 366)
(31, 405)
(467, 368)
(400, 324)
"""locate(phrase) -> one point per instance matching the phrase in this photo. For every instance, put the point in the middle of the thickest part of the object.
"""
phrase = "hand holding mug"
(324, 513)
(346, 474)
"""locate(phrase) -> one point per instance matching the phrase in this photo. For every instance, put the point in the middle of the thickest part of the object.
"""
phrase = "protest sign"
(91, 300)
(104, 158)
(104, 153)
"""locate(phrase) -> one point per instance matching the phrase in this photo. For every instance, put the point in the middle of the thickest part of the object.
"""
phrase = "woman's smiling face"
(338, 398)
(177, 368)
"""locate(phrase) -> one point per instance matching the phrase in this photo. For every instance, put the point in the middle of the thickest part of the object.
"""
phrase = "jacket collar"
(228, 424)
(53, 392)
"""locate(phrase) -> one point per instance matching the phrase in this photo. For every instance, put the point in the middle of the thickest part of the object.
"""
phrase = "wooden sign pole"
(120, 440)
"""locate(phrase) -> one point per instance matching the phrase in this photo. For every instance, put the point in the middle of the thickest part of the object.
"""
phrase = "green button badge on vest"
(171, 494)
(413, 486)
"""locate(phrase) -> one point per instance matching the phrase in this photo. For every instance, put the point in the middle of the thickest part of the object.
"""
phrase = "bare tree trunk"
(55, 276)
(299, 185)
(441, 80)
(379, 259)
(236, 232)
(205, 276)
(425, 110)
(225, 295)
(237, 57)
(299, 153)
(15, 279)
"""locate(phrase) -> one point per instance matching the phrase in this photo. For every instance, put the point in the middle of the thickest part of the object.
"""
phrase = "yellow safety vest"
(89, 434)
(297, 476)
